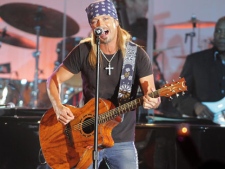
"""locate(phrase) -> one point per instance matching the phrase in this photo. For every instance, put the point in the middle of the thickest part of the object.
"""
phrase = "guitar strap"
(127, 74)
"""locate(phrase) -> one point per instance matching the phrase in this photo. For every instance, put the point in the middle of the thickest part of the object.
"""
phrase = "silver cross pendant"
(109, 68)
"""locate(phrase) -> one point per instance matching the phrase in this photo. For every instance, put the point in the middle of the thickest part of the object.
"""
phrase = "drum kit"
(40, 21)
(48, 22)
(193, 23)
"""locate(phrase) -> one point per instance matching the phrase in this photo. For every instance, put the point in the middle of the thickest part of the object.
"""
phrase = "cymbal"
(163, 49)
(191, 24)
(16, 40)
(181, 57)
(28, 17)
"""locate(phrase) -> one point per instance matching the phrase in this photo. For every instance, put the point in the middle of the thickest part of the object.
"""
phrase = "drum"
(11, 91)
(70, 43)
(19, 93)
(72, 88)
(42, 97)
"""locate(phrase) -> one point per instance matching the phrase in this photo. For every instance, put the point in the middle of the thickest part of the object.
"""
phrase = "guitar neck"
(167, 91)
(111, 114)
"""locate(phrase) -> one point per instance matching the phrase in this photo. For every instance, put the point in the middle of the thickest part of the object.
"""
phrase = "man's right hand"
(63, 114)
(203, 111)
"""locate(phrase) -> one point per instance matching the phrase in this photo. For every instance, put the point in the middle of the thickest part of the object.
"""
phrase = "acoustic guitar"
(71, 146)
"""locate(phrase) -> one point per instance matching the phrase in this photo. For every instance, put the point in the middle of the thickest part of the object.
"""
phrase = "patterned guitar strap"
(127, 74)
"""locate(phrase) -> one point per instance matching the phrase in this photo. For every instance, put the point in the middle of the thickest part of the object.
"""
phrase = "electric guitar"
(71, 146)
(218, 108)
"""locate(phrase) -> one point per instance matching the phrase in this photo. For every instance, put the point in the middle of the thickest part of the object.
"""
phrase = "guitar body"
(218, 108)
(69, 146)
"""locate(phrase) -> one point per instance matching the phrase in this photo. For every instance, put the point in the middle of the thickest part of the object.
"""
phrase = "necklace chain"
(109, 68)
(106, 57)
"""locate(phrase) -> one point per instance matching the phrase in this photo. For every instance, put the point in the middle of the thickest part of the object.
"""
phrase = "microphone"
(98, 31)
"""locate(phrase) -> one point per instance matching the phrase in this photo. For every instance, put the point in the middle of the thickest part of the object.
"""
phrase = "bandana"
(105, 7)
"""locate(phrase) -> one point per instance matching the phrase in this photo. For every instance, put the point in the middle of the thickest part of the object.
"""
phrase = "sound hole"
(88, 125)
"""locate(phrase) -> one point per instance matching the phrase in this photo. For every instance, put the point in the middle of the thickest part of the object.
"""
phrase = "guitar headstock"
(173, 88)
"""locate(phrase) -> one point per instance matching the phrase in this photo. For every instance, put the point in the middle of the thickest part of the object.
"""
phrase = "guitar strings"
(85, 124)
(123, 108)
(106, 116)
(90, 122)
(103, 117)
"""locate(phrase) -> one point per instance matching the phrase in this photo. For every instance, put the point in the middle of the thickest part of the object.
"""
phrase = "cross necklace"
(109, 68)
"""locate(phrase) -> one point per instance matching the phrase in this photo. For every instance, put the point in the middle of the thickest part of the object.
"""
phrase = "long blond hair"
(122, 38)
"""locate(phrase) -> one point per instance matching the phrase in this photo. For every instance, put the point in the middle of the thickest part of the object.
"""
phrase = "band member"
(204, 72)
(115, 46)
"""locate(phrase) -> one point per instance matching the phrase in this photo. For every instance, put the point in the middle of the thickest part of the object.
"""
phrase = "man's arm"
(54, 82)
(148, 86)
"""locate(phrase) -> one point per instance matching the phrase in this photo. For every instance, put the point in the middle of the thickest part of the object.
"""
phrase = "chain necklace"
(109, 68)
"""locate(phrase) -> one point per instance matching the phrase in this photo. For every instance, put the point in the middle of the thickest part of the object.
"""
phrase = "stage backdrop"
(170, 41)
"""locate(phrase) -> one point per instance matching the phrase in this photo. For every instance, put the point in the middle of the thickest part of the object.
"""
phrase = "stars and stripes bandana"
(99, 7)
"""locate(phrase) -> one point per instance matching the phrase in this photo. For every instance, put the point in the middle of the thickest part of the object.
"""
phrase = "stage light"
(183, 129)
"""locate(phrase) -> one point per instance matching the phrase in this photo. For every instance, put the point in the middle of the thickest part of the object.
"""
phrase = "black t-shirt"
(77, 61)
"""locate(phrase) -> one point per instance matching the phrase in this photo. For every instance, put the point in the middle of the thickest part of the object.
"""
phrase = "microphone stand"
(162, 79)
(95, 151)
(191, 34)
(36, 54)
(34, 94)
